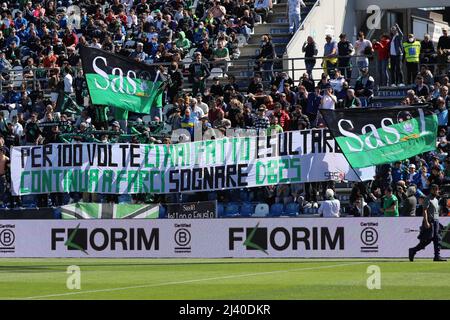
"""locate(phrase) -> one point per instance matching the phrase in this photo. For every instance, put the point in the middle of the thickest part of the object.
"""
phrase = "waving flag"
(373, 136)
(117, 81)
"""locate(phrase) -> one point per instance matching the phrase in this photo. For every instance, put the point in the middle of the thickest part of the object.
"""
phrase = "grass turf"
(223, 279)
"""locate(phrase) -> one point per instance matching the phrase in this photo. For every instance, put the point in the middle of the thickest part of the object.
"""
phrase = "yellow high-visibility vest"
(412, 51)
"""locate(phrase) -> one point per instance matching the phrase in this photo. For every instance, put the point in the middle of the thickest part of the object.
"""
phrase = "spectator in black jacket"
(345, 49)
(364, 87)
(176, 82)
(421, 89)
(360, 208)
(310, 50)
(198, 73)
(266, 56)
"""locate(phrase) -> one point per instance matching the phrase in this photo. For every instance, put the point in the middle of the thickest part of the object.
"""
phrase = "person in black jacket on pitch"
(430, 229)
(265, 57)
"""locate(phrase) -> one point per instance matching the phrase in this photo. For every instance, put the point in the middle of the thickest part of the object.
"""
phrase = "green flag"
(117, 81)
(83, 210)
(373, 136)
(65, 104)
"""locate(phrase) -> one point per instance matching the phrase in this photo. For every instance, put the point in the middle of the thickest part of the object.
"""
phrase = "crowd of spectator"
(42, 39)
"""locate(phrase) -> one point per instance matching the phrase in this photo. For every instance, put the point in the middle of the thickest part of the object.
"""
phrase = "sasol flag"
(121, 82)
(372, 136)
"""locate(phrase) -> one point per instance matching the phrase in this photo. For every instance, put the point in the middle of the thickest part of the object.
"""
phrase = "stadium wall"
(216, 238)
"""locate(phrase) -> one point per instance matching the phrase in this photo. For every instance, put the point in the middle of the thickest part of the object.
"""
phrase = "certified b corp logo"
(369, 238)
(182, 239)
(7, 239)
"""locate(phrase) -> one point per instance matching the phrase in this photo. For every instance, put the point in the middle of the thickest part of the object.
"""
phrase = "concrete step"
(276, 38)
(272, 28)
(253, 49)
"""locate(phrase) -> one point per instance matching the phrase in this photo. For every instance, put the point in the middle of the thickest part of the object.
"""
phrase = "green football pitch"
(224, 279)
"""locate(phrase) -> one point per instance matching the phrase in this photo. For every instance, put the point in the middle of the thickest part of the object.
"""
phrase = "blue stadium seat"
(244, 195)
(220, 210)
(232, 210)
(292, 209)
(162, 212)
(247, 209)
(261, 210)
(276, 210)
(29, 201)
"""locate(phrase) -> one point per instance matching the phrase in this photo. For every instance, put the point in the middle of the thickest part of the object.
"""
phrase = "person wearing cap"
(396, 52)
(330, 60)
(412, 56)
(412, 177)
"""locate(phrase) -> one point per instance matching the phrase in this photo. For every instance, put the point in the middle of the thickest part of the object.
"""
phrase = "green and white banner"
(83, 210)
(371, 136)
(117, 81)
(228, 163)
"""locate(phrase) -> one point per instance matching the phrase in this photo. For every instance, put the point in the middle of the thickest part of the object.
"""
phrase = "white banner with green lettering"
(238, 162)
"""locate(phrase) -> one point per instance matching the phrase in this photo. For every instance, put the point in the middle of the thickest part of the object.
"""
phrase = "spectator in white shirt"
(331, 207)
(68, 81)
(363, 47)
(329, 100)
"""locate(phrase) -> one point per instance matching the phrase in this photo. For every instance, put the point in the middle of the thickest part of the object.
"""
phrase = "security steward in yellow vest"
(412, 57)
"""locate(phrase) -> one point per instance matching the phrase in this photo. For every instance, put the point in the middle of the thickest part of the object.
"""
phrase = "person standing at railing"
(412, 56)
(266, 56)
(310, 50)
(382, 48)
(396, 53)
(294, 14)
(330, 56)
(363, 49)
(428, 53)
(443, 49)
(345, 50)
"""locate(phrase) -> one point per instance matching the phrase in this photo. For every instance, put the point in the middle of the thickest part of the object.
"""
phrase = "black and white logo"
(7, 239)
(369, 237)
(182, 238)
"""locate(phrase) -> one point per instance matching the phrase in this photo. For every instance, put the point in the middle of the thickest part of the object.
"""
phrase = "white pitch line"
(189, 281)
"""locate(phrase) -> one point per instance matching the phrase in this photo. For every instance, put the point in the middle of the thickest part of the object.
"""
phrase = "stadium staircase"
(277, 26)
